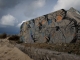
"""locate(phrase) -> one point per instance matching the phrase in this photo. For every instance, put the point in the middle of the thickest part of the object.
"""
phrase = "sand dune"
(10, 52)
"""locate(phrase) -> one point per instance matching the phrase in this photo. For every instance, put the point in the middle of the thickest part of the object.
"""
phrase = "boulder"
(56, 27)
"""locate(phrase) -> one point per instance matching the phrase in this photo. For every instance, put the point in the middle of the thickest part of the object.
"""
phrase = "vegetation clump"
(3, 36)
(14, 38)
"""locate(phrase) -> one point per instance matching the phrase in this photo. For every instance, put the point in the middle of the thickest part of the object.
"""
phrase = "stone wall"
(56, 27)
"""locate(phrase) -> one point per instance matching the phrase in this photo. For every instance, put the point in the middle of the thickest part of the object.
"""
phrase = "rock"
(56, 27)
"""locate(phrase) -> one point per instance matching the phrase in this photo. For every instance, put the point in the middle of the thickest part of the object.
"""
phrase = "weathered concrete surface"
(44, 54)
(57, 27)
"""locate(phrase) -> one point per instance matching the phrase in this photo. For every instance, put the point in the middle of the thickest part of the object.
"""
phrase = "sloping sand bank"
(9, 52)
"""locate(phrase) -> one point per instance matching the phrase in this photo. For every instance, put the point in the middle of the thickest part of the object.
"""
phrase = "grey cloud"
(31, 10)
(8, 3)
(22, 10)
(26, 7)
(9, 30)
(65, 4)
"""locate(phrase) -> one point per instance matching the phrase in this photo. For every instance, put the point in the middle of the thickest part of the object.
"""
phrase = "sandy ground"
(10, 52)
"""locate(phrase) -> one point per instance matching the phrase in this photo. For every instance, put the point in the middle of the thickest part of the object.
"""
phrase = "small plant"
(3, 36)
(69, 52)
(14, 38)
(19, 42)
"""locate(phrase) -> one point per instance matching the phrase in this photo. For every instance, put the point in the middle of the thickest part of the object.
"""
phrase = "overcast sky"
(14, 12)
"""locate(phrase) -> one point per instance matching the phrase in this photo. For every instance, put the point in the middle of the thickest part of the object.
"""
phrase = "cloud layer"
(14, 12)
(33, 7)
(66, 4)
(8, 20)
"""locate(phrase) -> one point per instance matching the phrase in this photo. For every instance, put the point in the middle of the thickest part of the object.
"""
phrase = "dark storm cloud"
(7, 3)
(5, 7)
(9, 30)
(20, 10)
(26, 7)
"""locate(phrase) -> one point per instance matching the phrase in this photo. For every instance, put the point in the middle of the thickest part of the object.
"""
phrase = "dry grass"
(71, 48)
